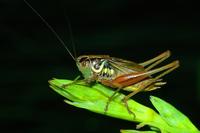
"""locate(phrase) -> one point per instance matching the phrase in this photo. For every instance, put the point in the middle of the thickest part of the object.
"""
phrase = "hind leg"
(149, 64)
(150, 84)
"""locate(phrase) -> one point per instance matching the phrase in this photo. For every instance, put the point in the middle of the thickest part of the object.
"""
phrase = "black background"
(135, 30)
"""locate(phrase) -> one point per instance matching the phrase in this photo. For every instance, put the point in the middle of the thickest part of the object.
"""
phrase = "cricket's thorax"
(102, 68)
(95, 67)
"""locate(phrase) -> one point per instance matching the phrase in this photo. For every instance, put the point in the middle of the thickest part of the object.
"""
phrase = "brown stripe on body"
(129, 79)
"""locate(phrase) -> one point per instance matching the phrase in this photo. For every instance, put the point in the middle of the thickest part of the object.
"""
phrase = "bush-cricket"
(118, 73)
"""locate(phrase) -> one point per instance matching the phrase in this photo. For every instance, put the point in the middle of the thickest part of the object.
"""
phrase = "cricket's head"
(90, 64)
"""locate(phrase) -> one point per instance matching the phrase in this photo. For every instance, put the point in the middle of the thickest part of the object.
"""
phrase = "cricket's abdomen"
(123, 80)
(129, 79)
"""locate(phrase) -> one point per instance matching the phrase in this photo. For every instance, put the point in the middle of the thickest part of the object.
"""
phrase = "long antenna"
(52, 30)
(71, 36)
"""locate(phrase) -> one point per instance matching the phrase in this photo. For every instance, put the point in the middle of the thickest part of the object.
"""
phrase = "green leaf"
(171, 115)
(95, 98)
(135, 131)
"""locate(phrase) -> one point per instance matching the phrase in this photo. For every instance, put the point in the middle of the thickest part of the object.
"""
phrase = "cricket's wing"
(125, 66)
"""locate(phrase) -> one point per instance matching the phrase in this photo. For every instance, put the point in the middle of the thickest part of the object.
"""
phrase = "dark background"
(136, 30)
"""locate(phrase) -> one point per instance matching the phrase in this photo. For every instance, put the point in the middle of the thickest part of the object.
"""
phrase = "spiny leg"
(168, 68)
(71, 83)
(110, 99)
(167, 54)
(174, 65)
(113, 85)
(156, 60)
(140, 88)
(155, 86)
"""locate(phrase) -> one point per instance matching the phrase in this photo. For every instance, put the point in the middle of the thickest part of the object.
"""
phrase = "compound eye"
(83, 59)
(83, 63)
